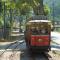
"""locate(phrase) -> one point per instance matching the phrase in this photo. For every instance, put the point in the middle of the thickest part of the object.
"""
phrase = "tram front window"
(39, 32)
(35, 32)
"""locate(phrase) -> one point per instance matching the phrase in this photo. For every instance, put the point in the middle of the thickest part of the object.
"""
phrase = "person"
(34, 31)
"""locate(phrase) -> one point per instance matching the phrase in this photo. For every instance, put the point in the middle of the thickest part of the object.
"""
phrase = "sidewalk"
(5, 43)
(55, 37)
(56, 42)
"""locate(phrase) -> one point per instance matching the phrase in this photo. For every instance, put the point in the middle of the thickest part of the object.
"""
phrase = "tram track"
(47, 56)
(32, 56)
(40, 56)
(7, 48)
(14, 43)
(14, 51)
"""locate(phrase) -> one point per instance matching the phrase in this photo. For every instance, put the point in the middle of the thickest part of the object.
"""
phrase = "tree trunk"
(38, 10)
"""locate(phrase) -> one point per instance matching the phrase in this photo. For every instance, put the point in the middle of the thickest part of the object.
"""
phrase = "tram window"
(35, 31)
(44, 31)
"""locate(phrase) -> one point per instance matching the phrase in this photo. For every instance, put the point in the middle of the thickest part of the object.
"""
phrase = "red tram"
(37, 35)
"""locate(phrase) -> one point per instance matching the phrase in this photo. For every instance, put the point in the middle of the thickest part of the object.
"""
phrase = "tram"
(38, 35)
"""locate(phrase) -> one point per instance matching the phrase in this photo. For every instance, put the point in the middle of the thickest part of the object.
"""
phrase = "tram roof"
(39, 21)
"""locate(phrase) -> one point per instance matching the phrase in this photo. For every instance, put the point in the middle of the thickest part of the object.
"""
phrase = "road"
(55, 41)
(21, 52)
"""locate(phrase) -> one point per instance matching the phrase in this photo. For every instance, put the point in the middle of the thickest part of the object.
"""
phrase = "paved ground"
(21, 52)
(55, 37)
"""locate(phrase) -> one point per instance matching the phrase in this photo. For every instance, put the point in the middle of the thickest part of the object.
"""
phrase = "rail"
(11, 45)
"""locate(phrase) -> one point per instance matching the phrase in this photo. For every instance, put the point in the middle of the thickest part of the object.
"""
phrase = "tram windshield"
(36, 31)
(39, 27)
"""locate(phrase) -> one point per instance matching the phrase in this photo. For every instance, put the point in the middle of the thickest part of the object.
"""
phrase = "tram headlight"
(40, 40)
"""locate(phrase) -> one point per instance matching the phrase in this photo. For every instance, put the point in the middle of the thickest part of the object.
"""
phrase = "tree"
(46, 10)
(37, 6)
(0, 7)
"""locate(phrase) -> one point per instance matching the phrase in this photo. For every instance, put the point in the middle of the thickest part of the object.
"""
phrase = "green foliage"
(55, 9)
(25, 9)
(25, 6)
(0, 7)
(1, 21)
(10, 5)
(46, 10)
(30, 3)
